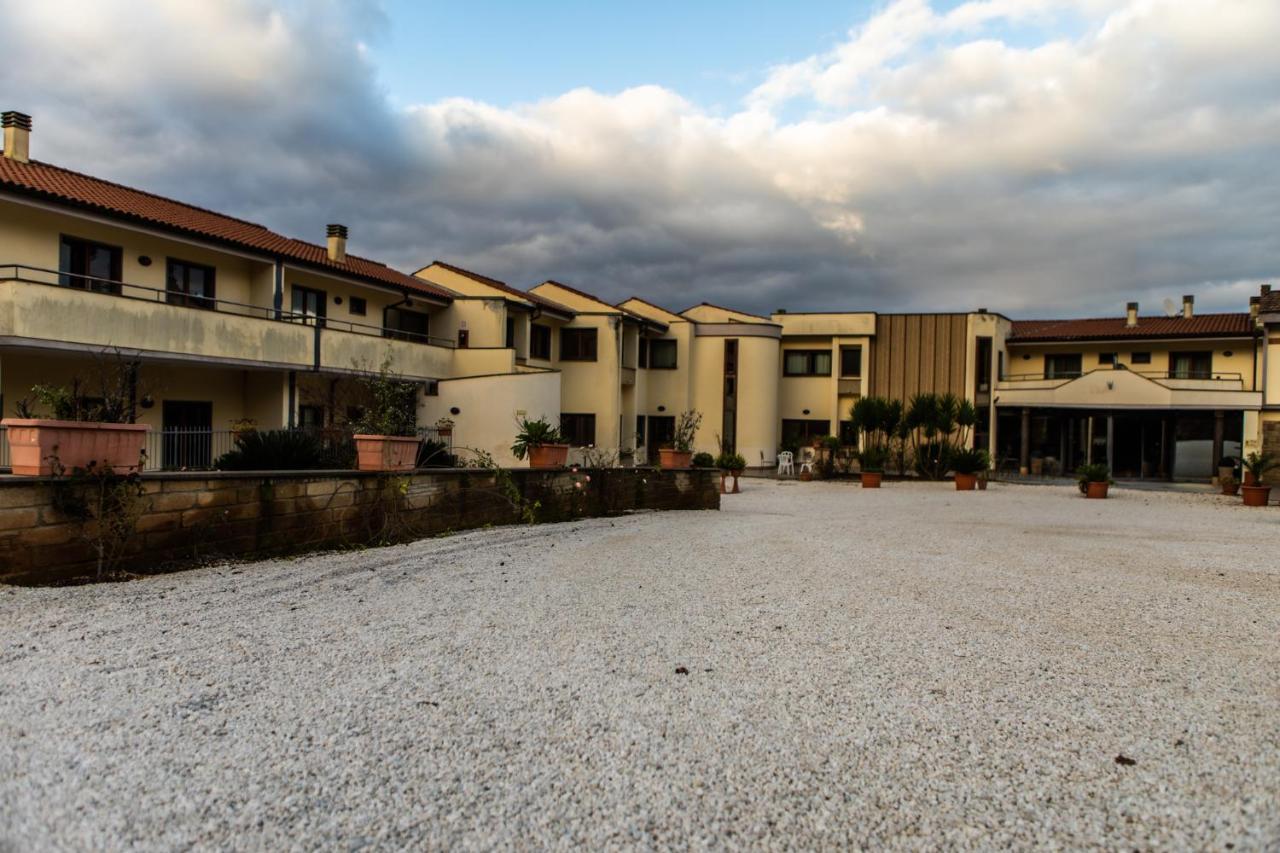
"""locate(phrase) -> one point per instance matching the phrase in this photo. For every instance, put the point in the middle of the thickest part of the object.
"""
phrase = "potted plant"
(84, 430)
(730, 464)
(444, 428)
(541, 443)
(1230, 485)
(967, 463)
(704, 460)
(1094, 480)
(386, 433)
(1255, 492)
(680, 452)
(871, 462)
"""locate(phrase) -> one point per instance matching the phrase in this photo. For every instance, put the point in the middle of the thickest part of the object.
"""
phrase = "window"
(189, 284)
(358, 306)
(850, 362)
(1191, 365)
(98, 264)
(578, 430)
(311, 304)
(644, 352)
(577, 344)
(511, 333)
(464, 339)
(729, 397)
(662, 355)
(311, 417)
(803, 362)
(799, 433)
(432, 388)
(540, 341)
(982, 365)
(848, 434)
(1107, 359)
(1140, 358)
(662, 430)
(639, 430)
(405, 325)
(1064, 366)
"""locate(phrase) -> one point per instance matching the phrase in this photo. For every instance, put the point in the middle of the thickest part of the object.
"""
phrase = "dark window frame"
(1193, 372)
(540, 341)
(1140, 357)
(1053, 372)
(853, 350)
(398, 331)
(358, 306)
(322, 303)
(574, 344)
(510, 333)
(206, 301)
(1108, 359)
(667, 345)
(810, 357)
(67, 277)
(577, 426)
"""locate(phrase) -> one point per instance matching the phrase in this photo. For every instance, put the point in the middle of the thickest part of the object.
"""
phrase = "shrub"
(435, 454)
(731, 462)
(704, 460)
(874, 458)
(1257, 464)
(686, 427)
(969, 460)
(393, 405)
(288, 450)
(532, 434)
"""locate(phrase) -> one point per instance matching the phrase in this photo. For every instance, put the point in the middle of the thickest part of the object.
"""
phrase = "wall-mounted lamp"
(144, 260)
(455, 411)
(662, 408)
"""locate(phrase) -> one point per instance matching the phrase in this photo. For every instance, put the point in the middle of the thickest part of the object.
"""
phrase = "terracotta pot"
(966, 482)
(1249, 479)
(806, 476)
(386, 452)
(1256, 495)
(548, 456)
(669, 457)
(1232, 490)
(34, 441)
(1096, 491)
(982, 484)
(736, 475)
(724, 479)
(871, 479)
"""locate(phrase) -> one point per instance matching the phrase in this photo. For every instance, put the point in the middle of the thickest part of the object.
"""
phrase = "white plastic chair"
(786, 463)
(808, 459)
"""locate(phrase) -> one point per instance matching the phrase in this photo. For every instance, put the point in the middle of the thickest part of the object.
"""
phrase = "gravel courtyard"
(814, 665)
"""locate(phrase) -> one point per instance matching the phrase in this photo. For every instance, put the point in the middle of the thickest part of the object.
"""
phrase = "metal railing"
(143, 293)
(1067, 376)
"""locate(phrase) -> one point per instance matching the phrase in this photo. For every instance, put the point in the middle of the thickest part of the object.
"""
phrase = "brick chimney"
(1131, 314)
(337, 243)
(1255, 302)
(1188, 306)
(17, 135)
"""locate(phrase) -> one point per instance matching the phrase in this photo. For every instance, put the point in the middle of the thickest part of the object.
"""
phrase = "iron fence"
(4, 447)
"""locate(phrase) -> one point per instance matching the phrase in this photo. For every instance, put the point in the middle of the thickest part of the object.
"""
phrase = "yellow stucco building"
(233, 322)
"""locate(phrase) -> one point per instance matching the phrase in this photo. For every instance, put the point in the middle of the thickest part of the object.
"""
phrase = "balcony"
(1118, 388)
(40, 306)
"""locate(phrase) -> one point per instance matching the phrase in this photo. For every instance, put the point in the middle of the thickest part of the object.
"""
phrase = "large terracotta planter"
(669, 457)
(1256, 495)
(966, 482)
(1096, 491)
(1249, 479)
(871, 479)
(548, 456)
(386, 452)
(33, 442)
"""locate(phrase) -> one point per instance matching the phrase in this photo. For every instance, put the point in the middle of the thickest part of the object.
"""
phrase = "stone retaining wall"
(191, 517)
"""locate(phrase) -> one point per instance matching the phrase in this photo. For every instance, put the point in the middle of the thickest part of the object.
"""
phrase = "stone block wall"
(187, 518)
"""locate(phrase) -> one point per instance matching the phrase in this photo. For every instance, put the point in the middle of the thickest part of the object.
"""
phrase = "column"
(1111, 443)
(1218, 430)
(1024, 448)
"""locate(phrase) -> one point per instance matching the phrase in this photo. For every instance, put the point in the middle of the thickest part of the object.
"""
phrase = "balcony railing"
(1157, 375)
(143, 293)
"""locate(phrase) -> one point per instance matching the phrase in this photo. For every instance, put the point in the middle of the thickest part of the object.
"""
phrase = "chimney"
(1255, 302)
(337, 243)
(1188, 306)
(1131, 314)
(17, 135)
(1266, 288)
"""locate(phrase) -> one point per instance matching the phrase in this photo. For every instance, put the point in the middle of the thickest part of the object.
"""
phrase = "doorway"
(187, 435)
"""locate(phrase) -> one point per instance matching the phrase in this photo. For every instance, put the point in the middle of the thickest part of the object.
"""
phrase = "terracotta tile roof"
(506, 288)
(1108, 328)
(64, 186)
(596, 299)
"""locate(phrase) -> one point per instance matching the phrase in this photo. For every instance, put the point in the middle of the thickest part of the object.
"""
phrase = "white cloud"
(940, 159)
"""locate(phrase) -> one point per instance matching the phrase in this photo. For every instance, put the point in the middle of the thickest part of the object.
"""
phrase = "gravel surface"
(815, 665)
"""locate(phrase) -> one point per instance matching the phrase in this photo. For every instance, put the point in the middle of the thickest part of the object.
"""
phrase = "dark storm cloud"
(937, 168)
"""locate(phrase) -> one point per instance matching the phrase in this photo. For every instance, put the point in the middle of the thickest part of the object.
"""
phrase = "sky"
(1035, 157)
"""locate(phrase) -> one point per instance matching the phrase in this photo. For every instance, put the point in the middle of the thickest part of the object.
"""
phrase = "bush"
(435, 454)
(873, 459)
(534, 434)
(288, 450)
(969, 460)
(731, 462)
(393, 405)
(704, 460)
(1096, 473)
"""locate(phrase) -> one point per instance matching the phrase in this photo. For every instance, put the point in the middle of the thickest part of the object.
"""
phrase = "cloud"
(934, 159)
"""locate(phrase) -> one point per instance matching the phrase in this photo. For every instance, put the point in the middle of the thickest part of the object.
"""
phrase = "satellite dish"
(1170, 307)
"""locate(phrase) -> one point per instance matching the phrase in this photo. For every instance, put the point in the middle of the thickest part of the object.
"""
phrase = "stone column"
(1024, 447)
(1218, 431)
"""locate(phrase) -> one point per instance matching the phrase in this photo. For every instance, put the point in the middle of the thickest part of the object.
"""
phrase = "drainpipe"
(277, 297)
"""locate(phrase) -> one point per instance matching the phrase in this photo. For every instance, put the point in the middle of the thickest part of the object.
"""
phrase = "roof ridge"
(483, 279)
(727, 308)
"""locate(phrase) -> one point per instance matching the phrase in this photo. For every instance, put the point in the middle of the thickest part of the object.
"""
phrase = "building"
(233, 323)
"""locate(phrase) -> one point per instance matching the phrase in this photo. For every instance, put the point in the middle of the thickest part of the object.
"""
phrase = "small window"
(644, 352)
(798, 362)
(189, 284)
(358, 306)
(579, 430)
(309, 304)
(850, 362)
(578, 345)
(1140, 358)
(511, 333)
(464, 339)
(640, 419)
(1107, 358)
(540, 341)
(311, 417)
(662, 355)
(432, 389)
